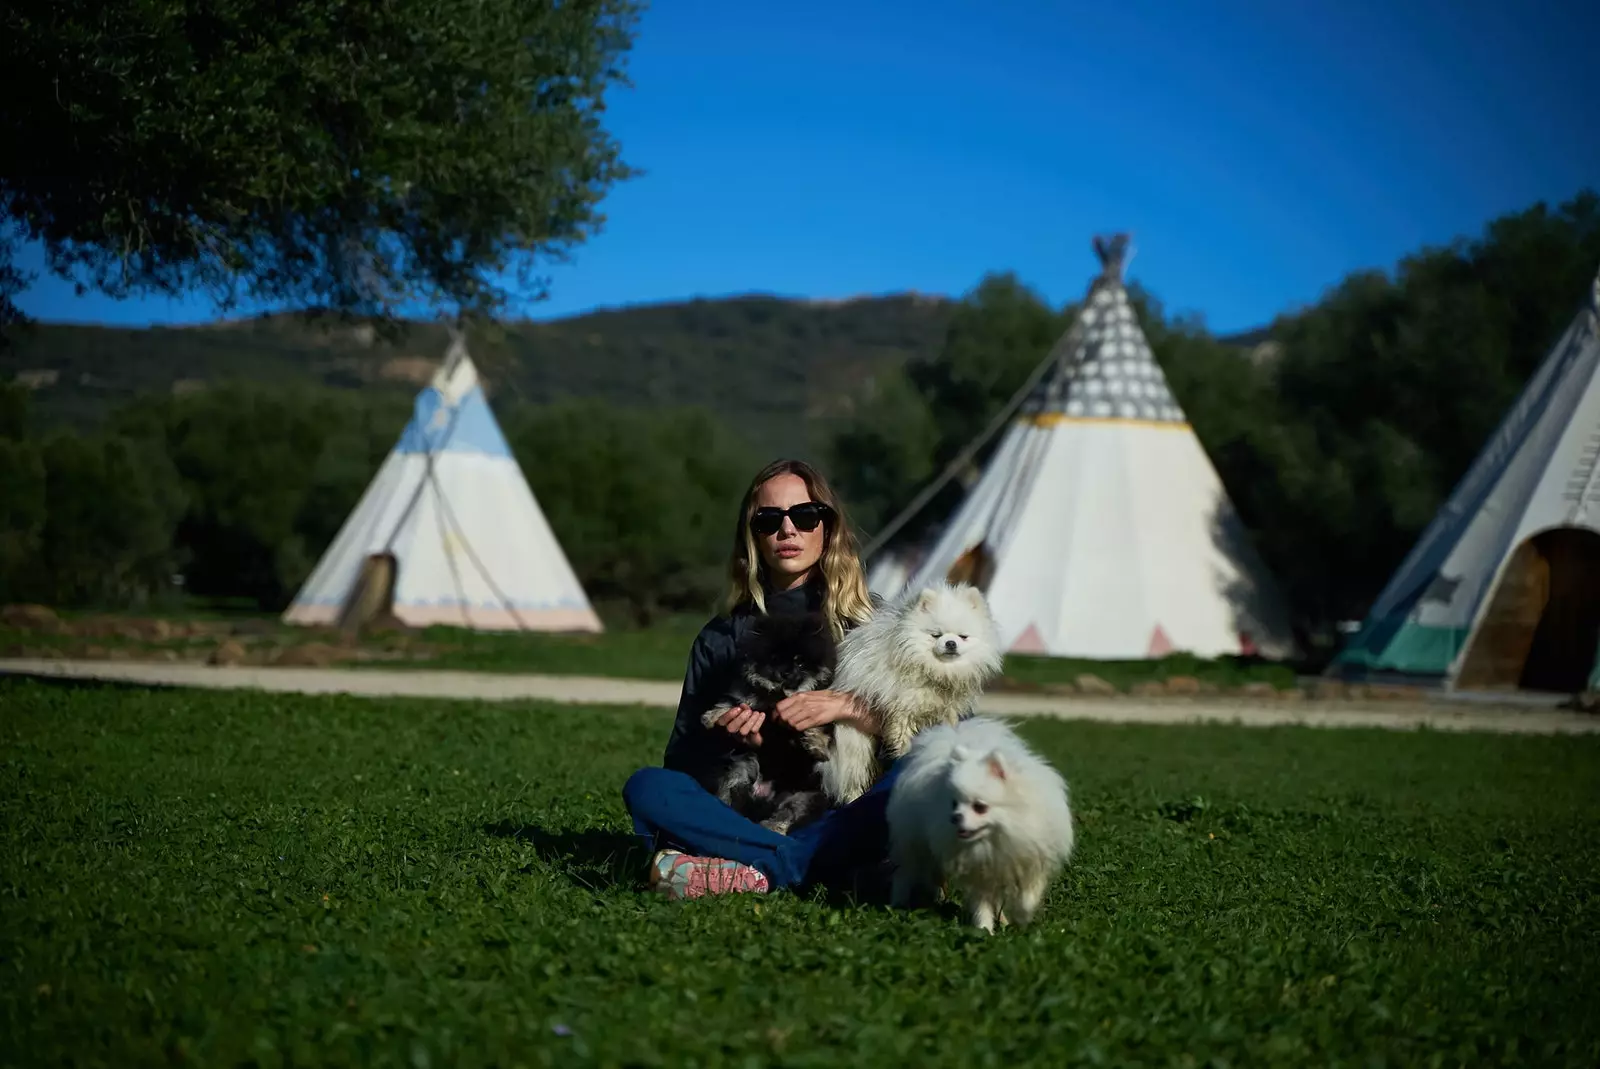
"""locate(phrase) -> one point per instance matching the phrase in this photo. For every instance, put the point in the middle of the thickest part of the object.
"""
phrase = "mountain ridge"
(789, 365)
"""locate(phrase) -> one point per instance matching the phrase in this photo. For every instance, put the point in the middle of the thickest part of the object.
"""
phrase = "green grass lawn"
(238, 879)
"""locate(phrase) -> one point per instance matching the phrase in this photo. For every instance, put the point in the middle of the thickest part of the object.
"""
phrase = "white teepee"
(1099, 527)
(448, 531)
(1503, 588)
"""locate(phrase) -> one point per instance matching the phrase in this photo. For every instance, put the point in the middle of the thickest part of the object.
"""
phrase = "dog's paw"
(713, 714)
(816, 742)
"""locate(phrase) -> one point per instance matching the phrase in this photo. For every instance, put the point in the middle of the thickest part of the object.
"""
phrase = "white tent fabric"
(1503, 587)
(470, 545)
(1099, 520)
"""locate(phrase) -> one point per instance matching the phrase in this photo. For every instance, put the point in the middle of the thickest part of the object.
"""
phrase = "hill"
(787, 366)
(784, 366)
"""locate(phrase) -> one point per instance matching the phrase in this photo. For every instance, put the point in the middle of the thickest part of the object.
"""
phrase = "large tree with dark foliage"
(321, 153)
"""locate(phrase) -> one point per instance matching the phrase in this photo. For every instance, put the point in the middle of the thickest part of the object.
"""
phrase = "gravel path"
(486, 686)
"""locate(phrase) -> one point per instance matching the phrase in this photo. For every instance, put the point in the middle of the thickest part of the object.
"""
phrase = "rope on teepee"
(477, 562)
(458, 352)
(444, 544)
(427, 472)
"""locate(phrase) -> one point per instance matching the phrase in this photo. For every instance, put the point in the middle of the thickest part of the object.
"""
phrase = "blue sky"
(1259, 151)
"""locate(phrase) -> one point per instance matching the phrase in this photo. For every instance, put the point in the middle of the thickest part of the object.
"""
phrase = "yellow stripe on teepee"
(1051, 419)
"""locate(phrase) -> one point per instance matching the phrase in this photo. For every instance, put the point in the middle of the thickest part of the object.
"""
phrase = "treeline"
(232, 494)
(789, 365)
(1337, 443)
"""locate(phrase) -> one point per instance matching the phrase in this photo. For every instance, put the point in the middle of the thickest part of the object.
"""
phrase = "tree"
(888, 446)
(344, 156)
(12, 282)
(997, 335)
(268, 476)
(1384, 393)
(642, 500)
(22, 501)
(111, 504)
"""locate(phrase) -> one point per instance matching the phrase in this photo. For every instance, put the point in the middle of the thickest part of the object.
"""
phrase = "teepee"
(1099, 527)
(448, 531)
(1503, 588)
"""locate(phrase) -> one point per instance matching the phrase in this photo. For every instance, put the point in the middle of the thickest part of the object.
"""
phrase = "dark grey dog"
(778, 783)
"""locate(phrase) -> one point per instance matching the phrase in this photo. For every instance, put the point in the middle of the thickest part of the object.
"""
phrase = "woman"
(793, 552)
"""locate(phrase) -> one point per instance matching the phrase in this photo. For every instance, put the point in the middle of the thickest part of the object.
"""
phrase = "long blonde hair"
(845, 600)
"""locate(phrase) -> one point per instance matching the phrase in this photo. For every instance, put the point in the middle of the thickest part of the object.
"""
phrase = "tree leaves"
(643, 501)
(348, 156)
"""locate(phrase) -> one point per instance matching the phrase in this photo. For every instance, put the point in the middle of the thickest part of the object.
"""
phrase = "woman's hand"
(743, 723)
(814, 708)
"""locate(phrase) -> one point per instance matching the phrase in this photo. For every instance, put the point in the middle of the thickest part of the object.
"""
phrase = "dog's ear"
(997, 765)
(973, 597)
(960, 753)
(926, 599)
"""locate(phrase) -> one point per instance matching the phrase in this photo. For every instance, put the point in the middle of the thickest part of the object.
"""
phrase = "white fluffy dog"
(920, 661)
(978, 812)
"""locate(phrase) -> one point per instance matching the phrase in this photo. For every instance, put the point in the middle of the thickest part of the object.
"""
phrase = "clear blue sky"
(1258, 150)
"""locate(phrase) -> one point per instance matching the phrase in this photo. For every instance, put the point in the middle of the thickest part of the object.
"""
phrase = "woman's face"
(789, 554)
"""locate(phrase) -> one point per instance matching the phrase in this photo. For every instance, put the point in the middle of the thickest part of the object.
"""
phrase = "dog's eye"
(963, 638)
(980, 808)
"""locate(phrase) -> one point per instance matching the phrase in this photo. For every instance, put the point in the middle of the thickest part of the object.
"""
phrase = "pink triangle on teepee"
(1029, 641)
(1160, 644)
(1247, 647)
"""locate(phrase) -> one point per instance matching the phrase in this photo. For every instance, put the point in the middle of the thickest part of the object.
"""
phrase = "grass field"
(238, 879)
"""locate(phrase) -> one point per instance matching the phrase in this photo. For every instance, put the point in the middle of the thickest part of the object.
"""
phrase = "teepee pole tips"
(1114, 253)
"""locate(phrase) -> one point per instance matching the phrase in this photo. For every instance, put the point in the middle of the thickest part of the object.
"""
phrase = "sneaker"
(679, 875)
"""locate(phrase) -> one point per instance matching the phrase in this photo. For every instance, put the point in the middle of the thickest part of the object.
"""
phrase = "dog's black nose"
(955, 818)
(950, 645)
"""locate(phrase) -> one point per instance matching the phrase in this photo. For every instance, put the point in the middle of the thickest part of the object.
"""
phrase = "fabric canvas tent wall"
(448, 531)
(1503, 588)
(1099, 527)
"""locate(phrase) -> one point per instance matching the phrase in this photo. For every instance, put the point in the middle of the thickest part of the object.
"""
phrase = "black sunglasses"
(805, 517)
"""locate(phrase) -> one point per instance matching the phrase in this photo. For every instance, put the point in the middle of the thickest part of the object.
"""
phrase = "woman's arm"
(691, 744)
(813, 708)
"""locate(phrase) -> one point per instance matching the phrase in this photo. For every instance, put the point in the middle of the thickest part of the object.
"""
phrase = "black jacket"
(713, 667)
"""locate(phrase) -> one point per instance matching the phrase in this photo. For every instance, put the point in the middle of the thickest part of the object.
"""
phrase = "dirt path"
(485, 686)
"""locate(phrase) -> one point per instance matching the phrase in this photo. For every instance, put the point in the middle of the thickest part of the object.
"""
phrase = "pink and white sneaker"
(679, 875)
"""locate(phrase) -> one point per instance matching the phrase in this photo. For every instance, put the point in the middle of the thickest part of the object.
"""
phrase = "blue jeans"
(672, 811)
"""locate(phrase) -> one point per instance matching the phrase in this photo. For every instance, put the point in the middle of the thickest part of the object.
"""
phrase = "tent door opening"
(1542, 629)
(371, 597)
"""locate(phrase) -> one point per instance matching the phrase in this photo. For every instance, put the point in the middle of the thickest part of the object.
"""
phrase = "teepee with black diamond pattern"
(1099, 527)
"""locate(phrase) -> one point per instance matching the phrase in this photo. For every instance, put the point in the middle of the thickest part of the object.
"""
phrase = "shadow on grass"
(598, 860)
(594, 859)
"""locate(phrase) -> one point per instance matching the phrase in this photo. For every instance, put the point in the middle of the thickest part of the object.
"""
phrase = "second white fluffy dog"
(920, 660)
(978, 812)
